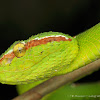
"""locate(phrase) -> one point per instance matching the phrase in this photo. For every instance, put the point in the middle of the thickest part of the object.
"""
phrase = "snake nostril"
(7, 60)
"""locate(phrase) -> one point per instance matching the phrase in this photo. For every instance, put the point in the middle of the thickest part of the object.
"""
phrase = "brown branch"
(52, 84)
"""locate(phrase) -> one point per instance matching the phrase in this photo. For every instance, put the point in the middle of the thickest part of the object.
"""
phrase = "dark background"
(20, 19)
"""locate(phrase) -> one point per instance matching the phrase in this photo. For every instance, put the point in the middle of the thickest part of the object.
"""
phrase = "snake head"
(42, 56)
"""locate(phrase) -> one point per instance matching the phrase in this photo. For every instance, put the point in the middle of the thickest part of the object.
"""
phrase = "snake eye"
(19, 50)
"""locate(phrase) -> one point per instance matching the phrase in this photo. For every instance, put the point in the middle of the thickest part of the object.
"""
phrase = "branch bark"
(52, 84)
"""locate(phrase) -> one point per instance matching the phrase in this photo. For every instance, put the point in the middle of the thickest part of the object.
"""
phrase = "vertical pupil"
(19, 49)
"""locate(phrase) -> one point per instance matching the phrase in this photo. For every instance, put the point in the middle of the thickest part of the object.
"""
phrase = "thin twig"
(52, 84)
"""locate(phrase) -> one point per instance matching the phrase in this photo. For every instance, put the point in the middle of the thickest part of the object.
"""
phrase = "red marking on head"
(33, 43)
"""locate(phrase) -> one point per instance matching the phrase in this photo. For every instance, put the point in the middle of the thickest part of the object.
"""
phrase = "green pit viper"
(48, 54)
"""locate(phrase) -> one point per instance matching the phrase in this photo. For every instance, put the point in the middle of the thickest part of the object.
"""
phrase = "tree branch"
(52, 84)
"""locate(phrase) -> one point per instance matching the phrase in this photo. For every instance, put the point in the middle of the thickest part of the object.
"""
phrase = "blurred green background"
(19, 19)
